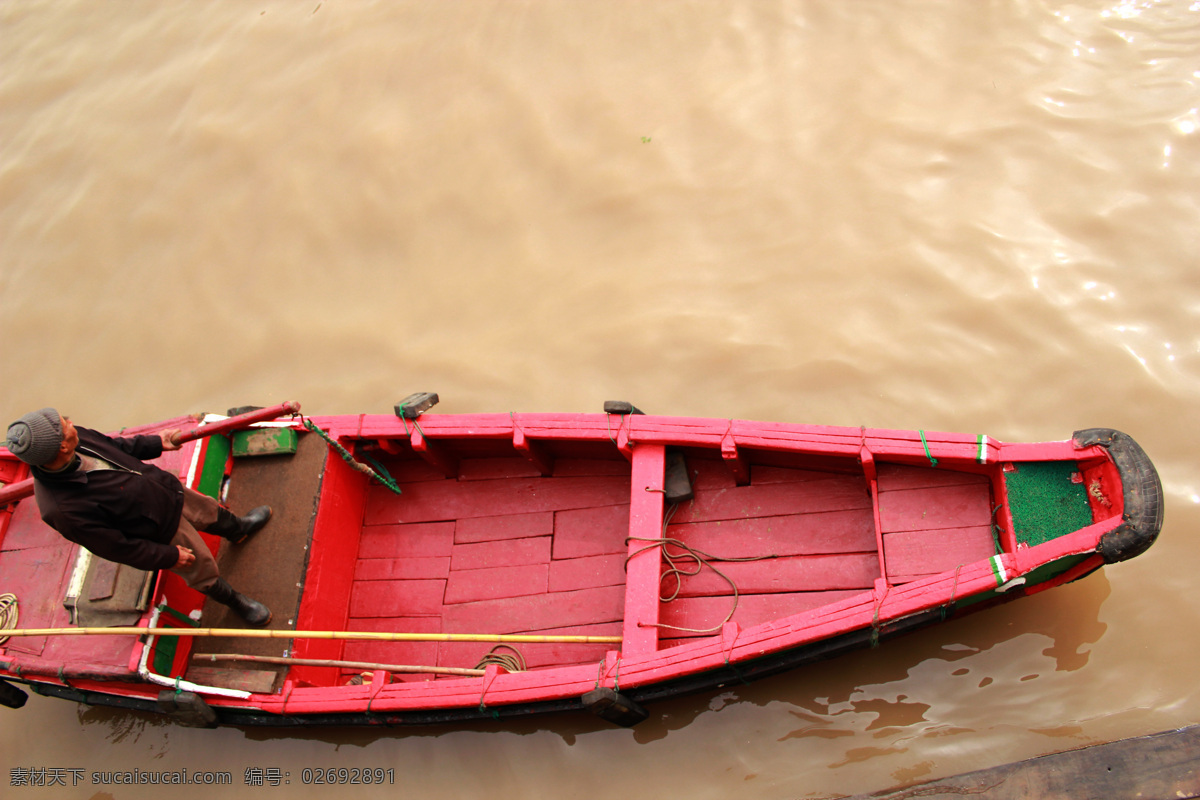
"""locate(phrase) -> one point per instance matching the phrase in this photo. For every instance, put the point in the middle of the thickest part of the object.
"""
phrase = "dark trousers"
(199, 512)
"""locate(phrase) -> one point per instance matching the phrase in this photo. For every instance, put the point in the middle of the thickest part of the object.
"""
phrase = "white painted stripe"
(75, 586)
(999, 571)
(190, 481)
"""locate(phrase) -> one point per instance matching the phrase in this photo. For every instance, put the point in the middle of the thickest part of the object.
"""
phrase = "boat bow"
(1143, 495)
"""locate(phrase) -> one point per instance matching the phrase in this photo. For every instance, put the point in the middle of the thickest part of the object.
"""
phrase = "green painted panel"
(165, 647)
(213, 472)
(1047, 500)
(264, 442)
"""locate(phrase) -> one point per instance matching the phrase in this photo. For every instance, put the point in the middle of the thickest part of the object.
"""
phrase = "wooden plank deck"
(812, 531)
(504, 551)
(500, 549)
(270, 566)
(933, 520)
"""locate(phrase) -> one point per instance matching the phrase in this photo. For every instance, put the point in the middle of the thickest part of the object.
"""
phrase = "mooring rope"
(611, 436)
(929, 455)
(380, 473)
(416, 420)
(996, 531)
(875, 626)
(949, 607)
(601, 675)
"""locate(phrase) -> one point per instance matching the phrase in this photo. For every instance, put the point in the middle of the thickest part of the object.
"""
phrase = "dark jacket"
(128, 514)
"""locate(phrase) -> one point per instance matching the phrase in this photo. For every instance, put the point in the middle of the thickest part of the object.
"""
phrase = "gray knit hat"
(35, 437)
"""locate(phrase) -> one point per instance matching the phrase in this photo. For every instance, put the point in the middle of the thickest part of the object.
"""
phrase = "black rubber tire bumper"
(1142, 489)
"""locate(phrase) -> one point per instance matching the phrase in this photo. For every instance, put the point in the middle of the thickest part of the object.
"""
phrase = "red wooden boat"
(558, 562)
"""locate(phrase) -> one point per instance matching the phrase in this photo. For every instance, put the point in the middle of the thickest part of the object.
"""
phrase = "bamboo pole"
(325, 662)
(276, 633)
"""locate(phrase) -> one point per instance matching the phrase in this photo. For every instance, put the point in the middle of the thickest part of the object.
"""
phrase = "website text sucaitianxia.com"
(30, 777)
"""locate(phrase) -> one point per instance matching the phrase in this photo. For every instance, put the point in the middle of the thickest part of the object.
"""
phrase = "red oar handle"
(238, 422)
(22, 489)
(16, 491)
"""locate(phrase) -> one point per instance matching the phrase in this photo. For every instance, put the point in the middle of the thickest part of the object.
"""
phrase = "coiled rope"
(695, 556)
(510, 662)
(8, 614)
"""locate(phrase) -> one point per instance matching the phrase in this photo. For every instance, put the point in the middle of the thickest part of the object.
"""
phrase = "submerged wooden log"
(1161, 765)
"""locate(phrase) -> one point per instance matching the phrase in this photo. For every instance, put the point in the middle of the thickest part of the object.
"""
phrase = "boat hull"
(566, 533)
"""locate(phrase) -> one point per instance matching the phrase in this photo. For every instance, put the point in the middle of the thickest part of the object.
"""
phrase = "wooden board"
(786, 574)
(418, 540)
(934, 507)
(506, 553)
(834, 493)
(707, 612)
(493, 583)
(400, 598)
(258, 681)
(537, 612)
(591, 531)
(644, 553)
(790, 535)
(894, 477)
(1162, 765)
(587, 572)
(383, 569)
(933, 520)
(915, 553)
(449, 500)
(486, 469)
(511, 526)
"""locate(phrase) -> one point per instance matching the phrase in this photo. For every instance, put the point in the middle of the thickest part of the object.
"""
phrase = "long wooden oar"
(276, 633)
(22, 489)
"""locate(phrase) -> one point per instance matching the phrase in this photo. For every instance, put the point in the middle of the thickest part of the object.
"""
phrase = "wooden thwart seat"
(640, 634)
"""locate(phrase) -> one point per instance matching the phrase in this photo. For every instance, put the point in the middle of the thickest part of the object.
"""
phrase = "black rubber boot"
(238, 529)
(253, 612)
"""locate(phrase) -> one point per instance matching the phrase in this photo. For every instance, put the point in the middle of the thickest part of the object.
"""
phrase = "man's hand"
(170, 439)
(186, 557)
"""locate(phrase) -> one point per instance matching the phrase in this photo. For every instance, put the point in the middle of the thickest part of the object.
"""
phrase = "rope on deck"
(8, 614)
(380, 473)
(699, 558)
(509, 662)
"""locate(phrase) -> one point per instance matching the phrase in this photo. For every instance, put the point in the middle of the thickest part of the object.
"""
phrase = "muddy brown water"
(974, 217)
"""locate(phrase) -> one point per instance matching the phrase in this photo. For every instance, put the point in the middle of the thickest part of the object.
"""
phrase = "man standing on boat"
(97, 492)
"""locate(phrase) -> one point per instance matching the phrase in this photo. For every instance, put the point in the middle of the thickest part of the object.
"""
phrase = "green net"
(1047, 500)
